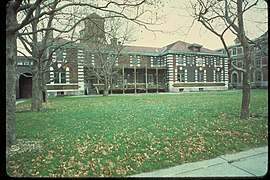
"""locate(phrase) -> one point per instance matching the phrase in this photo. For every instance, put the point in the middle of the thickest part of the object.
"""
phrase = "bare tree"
(37, 39)
(220, 17)
(106, 54)
(131, 10)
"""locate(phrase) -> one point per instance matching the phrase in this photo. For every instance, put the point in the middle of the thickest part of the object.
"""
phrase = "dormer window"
(195, 47)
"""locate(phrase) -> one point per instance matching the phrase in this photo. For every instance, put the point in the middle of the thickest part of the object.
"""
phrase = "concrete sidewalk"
(18, 101)
(251, 163)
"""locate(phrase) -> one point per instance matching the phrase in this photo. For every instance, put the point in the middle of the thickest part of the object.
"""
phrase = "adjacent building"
(259, 55)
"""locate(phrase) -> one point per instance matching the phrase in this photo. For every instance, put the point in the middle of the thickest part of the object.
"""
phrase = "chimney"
(114, 41)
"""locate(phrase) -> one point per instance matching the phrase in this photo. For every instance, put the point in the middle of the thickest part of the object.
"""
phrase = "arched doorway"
(25, 86)
(234, 79)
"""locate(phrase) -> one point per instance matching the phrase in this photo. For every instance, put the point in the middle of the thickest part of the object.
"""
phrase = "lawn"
(123, 135)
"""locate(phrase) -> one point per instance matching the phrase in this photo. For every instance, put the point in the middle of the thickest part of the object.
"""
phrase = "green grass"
(124, 135)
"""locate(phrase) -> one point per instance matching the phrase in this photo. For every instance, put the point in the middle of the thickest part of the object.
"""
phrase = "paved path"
(251, 163)
(20, 101)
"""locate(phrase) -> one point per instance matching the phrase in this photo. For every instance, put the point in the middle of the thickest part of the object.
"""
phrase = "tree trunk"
(106, 89)
(37, 79)
(44, 88)
(37, 86)
(245, 109)
(247, 65)
(11, 77)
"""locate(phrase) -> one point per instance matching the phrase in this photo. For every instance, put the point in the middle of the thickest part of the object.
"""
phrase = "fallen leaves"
(104, 153)
(118, 137)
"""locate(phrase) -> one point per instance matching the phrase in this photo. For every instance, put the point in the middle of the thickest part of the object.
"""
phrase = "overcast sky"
(178, 26)
(179, 20)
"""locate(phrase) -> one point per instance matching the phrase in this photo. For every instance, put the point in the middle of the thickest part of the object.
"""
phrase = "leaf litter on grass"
(116, 137)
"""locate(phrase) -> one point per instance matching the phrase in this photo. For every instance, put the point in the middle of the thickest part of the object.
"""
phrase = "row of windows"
(60, 76)
(24, 63)
(190, 61)
(257, 76)
(200, 76)
(135, 60)
(239, 50)
(257, 61)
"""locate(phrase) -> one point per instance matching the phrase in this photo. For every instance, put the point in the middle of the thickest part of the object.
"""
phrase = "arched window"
(200, 76)
(258, 76)
(234, 78)
(218, 76)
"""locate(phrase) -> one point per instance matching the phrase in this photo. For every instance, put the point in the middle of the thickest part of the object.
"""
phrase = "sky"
(179, 27)
(177, 24)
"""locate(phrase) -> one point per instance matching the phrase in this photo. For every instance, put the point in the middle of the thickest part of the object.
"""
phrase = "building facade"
(24, 82)
(259, 55)
(177, 67)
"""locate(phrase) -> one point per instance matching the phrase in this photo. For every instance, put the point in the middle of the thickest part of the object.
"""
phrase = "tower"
(94, 29)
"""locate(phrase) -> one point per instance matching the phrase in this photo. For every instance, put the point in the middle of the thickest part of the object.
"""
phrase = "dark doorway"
(25, 86)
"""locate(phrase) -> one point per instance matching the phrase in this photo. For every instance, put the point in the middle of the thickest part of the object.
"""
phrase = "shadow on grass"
(29, 110)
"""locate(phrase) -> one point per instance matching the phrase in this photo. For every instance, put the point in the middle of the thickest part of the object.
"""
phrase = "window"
(234, 78)
(150, 79)
(200, 76)
(155, 61)
(19, 63)
(135, 60)
(258, 62)
(209, 61)
(218, 61)
(129, 77)
(234, 51)
(218, 76)
(60, 75)
(180, 60)
(114, 59)
(162, 62)
(197, 49)
(59, 55)
(190, 60)
(181, 76)
(240, 50)
(258, 76)
(200, 61)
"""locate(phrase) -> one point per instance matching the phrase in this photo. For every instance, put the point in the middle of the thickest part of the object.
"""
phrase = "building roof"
(264, 36)
(176, 47)
(142, 49)
(95, 16)
(181, 46)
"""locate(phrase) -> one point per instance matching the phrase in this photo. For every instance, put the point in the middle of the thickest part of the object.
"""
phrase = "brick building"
(259, 55)
(24, 82)
(179, 66)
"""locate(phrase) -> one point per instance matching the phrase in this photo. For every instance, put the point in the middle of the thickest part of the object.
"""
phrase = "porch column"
(157, 77)
(123, 74)
(135, 79)
(111, 85)
(146, 83)
(98, 87)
